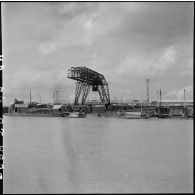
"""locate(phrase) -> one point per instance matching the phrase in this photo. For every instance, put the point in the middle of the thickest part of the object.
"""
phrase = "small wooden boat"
(77, 115)
(74, 114)
(65, 114)
(133, 115)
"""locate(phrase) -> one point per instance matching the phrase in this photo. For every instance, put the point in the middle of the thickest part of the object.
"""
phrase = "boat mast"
(148, 100)
(159, 105)
(160, 98)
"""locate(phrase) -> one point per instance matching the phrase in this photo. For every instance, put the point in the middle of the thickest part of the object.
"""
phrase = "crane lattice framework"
(87, 78)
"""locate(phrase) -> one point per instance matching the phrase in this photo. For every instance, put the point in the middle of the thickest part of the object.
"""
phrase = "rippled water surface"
(97, 155)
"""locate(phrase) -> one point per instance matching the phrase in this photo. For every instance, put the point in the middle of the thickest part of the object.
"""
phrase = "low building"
(89, 109)
(5, 109)
(98, 108)
(21, 108)
(57, 108)
(176, 110)
(115, 107)
(81, 108)
(190, 111)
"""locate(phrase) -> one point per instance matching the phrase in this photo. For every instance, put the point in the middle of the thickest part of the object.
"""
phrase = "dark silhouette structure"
(87, 78)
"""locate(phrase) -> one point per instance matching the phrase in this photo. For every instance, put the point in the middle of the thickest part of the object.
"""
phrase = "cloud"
(179, 93)
(188, 68)
(124, 41)
(147, 66)
(73, 9)
(125, 94)
(165, 61)
(80, 30)
(186, 60)
(72, 34)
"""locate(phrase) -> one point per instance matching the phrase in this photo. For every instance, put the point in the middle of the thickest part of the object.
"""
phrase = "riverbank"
(116, 115)
(107, 114)
(33, 114)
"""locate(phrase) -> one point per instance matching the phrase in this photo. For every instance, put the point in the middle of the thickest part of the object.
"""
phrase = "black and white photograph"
(97, 97)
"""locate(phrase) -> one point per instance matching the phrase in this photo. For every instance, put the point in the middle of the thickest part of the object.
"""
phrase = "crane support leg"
(104, 93)
(86, 89)
(79, 86)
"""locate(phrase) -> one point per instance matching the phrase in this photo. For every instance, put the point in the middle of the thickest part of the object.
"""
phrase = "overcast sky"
(127, 42)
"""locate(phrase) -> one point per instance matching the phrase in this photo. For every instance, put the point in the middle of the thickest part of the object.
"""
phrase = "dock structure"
(87, 78)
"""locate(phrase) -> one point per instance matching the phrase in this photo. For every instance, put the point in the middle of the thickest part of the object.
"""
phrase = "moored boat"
(74, 114)
(133, 115)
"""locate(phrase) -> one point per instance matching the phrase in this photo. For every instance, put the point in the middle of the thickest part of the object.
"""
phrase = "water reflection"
(97, 155)
(81, 150)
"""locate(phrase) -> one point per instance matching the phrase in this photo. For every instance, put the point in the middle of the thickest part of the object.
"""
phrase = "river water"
(97, 155)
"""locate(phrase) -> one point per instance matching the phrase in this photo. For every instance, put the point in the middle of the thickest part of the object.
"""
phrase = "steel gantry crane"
(87, 78)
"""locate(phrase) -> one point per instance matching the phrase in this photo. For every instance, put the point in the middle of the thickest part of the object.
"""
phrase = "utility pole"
(30, 97)
(53, 98)
(160, 98)
(184, 97)
(157, 96)
(57, 96)
(148, 100)
(39, 98)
